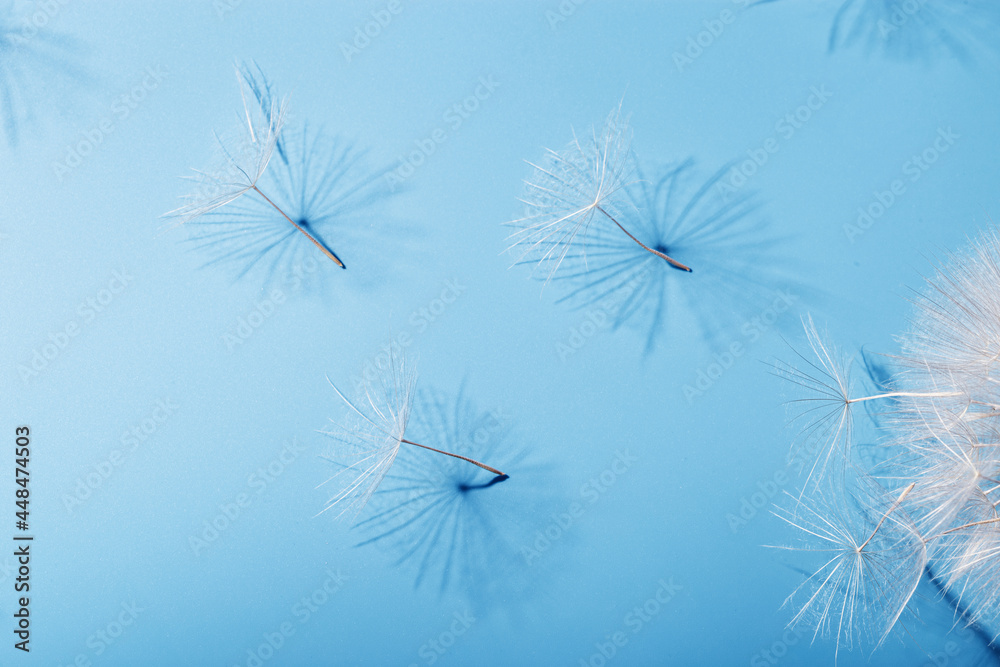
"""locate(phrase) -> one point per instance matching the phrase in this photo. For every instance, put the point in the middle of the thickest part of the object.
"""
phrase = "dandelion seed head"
(242, 157)
(870, 559)
(941, 438)
(368, 440)
(567, 189)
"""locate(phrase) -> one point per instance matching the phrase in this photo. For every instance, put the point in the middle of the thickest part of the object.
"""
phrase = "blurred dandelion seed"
(916, 31)
(245, 159)
(370, 441)
(568, 189)
(941, 440)
(30, 63)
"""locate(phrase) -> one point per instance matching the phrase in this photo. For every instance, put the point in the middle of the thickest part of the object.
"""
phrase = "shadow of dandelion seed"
(677, 210)
(914, 29)
(322, 182)
(242, 164)
(661, 224)
(447, 520)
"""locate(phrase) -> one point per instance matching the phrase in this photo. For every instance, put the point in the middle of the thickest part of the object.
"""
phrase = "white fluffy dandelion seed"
(871, 560)
(571, 188)
(827, 407)
(370, 439)
(243, 159)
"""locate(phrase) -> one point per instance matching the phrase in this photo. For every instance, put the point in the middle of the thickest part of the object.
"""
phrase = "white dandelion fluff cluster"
(924, 501)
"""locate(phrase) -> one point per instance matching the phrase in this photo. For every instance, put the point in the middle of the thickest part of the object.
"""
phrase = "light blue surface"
(648, 473)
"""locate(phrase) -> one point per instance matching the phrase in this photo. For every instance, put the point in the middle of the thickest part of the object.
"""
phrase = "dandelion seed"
(827, 409)
(370, 441)
(451, 522)
(872, 561)
(245, 159)
(968, 557)
(742, 271)
(572, 187)
(941, 440)
(327, 186)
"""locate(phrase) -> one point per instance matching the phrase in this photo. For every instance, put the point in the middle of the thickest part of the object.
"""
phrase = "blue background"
(163, 336)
